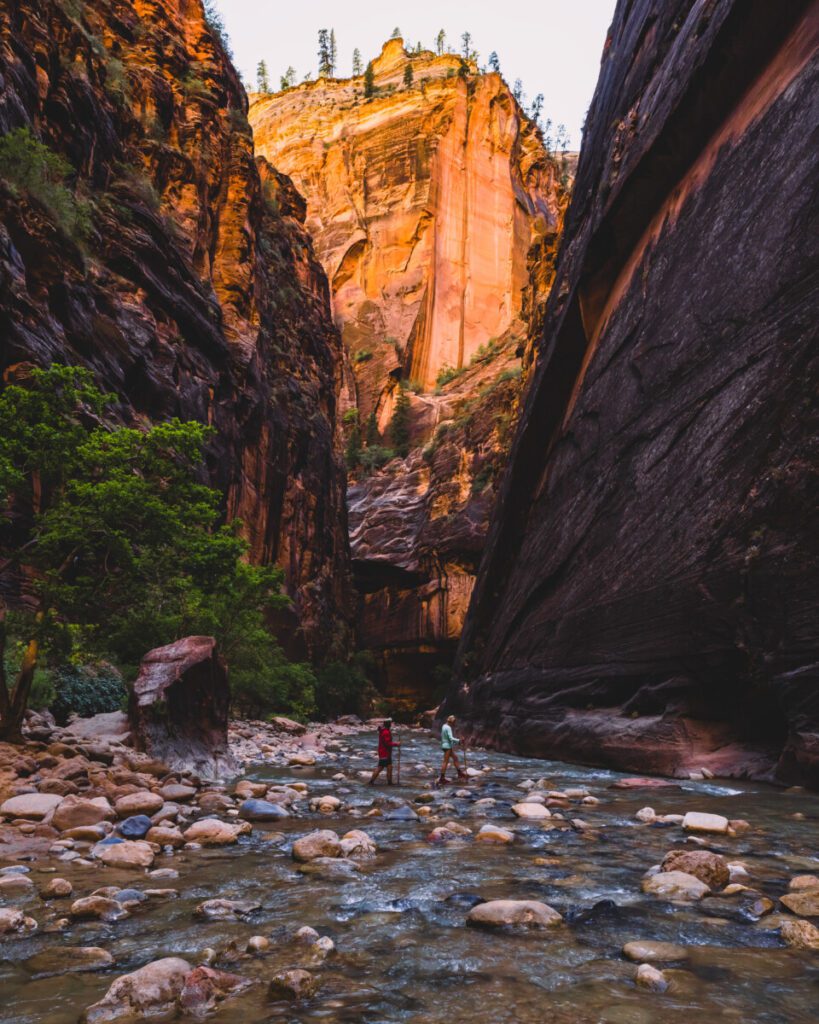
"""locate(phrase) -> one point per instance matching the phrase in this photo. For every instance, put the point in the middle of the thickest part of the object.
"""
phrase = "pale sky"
(553, 46)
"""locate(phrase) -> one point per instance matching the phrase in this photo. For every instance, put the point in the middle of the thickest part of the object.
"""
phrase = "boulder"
(709, 867)
(79, 811)
(165, 835)
(177, 793)
(135, 827)
(150, 991)
(301, 760)
(287, 725)
(262, 810)
(519, 913)
(650, 978)
(128, 854)
(179, 707)
(213, 832)
(205, 987)
(141, 802)
(495, 834)
(325, 804)
(15, 924)
(697, 821)
(648, 951)
(297, 984)
(102, 908)
(801, 883)
(531, 811)
(32, 806)
(675, 885)
(322, 843)
(356, 843)
(57, 888)
(15, 886)
(340, 869)
(800, 935)
(804, 903)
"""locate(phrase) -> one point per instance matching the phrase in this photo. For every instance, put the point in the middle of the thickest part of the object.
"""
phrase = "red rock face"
(648, 596)
(196, 293)
(179, 707)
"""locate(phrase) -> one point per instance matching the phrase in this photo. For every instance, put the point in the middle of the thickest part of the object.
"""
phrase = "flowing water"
(403, 951)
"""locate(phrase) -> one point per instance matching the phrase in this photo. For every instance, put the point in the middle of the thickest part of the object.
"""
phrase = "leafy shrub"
(363, 356)
(513, 373)
(30, 166)
(375, 457)
(342, 688)
(447, 374)
(87, 690)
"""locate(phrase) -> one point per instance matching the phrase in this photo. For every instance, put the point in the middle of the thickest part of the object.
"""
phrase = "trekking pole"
(399, 764)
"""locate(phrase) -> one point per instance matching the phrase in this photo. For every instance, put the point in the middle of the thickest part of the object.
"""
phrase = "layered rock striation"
(191, 289)
(647, 599)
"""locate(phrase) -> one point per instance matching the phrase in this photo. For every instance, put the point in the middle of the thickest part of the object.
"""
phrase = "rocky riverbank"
(160, 892)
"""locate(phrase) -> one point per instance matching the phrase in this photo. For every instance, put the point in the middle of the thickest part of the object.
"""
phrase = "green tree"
(396, 33)
(440, 42)
(494, 62)
(466, 45)
(216, 23)
(289, 78)
(369, 81)
(262, 77)
(400, 423)
(537, 108)
(122, 545)
(408, 75)
(352, 451)
(333, 54)
(358, 65)
(325, 60)
(373, 436)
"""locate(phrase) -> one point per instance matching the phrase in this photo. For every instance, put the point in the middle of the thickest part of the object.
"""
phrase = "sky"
(553, 46)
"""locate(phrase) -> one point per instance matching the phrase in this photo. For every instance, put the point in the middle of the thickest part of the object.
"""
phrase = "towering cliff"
(188, 285)
(648, 594)
(424, 201)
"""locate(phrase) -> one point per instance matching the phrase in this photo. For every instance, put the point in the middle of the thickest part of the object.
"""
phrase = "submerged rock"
(675, 885)
(297, 984)
(149, 991)
(322, 843)
(650, 978)
(226, 910)
(15, 924)
(68, 959)
(647, 950)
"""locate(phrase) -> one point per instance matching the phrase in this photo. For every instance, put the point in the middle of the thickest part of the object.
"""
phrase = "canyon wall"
(193, 291)
(647, 599)
(425, 202)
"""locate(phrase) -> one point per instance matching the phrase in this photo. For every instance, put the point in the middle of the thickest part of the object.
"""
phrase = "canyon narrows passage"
(363, 394)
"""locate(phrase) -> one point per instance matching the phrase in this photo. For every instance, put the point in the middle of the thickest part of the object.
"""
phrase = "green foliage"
(262, 77)
(127, 546)
(289, 78)
(374, 456)
(373, 436)
(482, 479)
(363, 355)
(511, 373)
(448, 374)
(415, 386)
(352, 452)
(400, 423)
(342, 688)
(217, 26)
(408, 75)
(358, 65)
(87, 690)
(31, 167)
(369, 81)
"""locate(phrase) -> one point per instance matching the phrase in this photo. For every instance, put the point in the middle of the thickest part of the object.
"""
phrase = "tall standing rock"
(648, 596)
(195, 292)
(179, 707)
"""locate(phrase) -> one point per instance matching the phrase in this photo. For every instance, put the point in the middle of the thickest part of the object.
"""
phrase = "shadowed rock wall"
(196, 293)
(648, 596)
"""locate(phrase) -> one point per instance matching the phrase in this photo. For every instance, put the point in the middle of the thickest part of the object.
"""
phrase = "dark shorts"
(384, 762)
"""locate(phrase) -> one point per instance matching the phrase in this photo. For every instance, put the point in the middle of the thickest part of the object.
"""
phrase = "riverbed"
(403, 949)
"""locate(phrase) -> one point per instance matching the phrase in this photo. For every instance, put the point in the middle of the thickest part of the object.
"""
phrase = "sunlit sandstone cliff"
(195, 293)
(430, 206)
(422, 203)
(648, 596)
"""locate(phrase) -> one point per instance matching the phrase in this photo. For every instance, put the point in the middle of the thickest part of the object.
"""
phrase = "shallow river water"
(403, 950)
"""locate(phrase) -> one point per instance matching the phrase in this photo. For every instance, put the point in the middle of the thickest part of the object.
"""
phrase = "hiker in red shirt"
(385, 745)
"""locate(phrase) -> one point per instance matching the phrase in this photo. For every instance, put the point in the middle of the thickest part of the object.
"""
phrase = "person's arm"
(392, 742)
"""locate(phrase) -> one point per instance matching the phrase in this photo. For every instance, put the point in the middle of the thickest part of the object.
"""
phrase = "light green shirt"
(447, 739)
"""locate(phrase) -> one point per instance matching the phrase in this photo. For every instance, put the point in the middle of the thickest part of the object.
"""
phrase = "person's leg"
(445, 762)
(389, 774)
(375, 775)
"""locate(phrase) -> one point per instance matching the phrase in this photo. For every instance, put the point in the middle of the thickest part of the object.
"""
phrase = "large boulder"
(76, 811)
(32, 806)
(213, 832)
(179, 707)
(128, 854)
(322, 843)
(520, 913)
(709, 867)
(149, 991)
(675, 885)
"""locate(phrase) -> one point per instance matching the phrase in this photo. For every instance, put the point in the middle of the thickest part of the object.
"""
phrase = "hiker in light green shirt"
(448, 742)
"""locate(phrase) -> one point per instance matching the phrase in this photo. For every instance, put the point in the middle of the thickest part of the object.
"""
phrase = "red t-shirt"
(385, 743)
